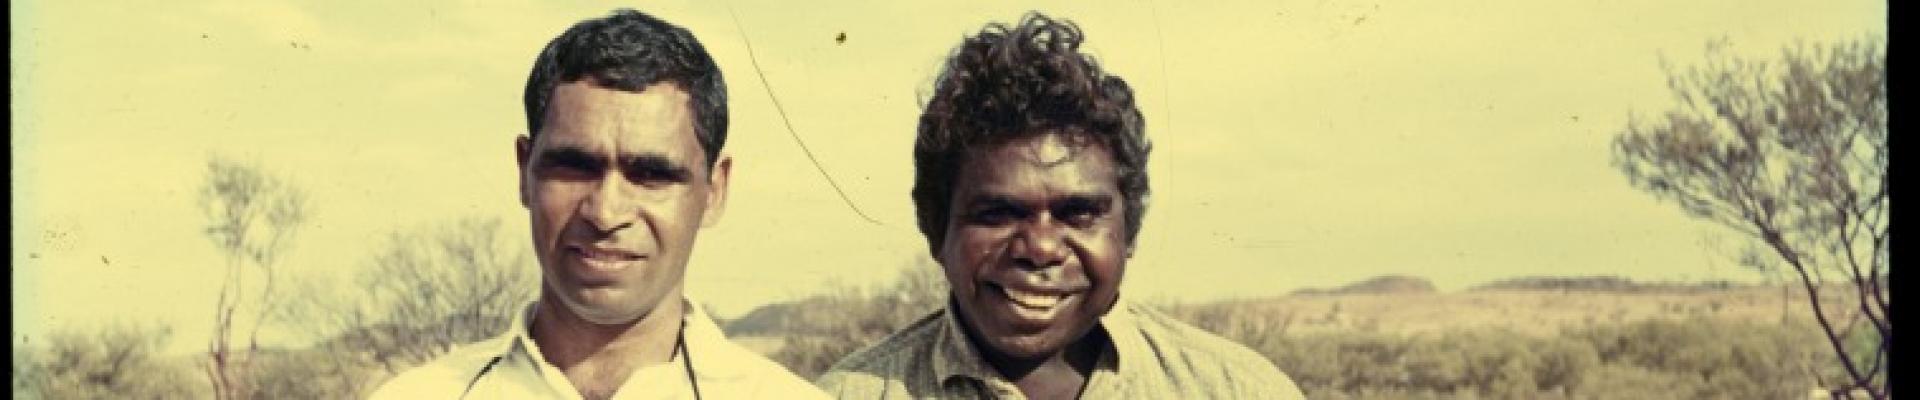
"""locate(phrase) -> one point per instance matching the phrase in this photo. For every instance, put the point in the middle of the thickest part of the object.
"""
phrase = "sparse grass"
(1534, 344)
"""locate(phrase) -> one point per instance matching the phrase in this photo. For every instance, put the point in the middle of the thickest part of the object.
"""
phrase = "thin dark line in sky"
(1166, 81)
(789, 124)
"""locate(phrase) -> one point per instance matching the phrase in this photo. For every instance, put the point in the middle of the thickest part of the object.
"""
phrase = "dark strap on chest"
(477, 376)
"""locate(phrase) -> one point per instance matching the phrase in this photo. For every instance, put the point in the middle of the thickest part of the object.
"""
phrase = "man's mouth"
(1034, 300)
(1033, 304)
(602, 258)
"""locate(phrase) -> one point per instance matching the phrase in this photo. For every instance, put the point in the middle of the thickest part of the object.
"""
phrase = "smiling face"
(1035, 244)
(617, 187)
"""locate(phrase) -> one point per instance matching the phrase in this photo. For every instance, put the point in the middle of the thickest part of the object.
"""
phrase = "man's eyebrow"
(1092, 199)
(1085, 199)
(653, 165)
(980, 200)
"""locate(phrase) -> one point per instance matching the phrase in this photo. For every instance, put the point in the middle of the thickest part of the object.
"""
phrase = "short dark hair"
(629, 50)
(1005, 83)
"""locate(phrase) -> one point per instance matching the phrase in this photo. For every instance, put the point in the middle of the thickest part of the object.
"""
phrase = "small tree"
(422, 292)
(252, 218)
(1793, 154)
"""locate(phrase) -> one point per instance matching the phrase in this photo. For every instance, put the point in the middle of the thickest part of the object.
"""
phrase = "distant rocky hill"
(827, 314)
(777, 318)
(1599, 283)
(914, 293)
(1380, 285)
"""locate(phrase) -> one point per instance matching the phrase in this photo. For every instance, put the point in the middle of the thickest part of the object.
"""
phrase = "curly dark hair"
(1014, 82)
(629, 50)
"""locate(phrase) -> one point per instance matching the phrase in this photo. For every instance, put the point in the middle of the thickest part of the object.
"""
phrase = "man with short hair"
(620, 169)
(1030, 183)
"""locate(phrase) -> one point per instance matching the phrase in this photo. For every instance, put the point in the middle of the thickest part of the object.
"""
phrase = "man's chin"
(1035, 345)
(602, 308)
(1023, 339)
(602, 317)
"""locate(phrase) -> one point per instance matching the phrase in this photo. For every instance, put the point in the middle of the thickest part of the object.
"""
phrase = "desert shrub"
(1564, 365)
(1624, 382)
(313, 373)
(1717, 358)
(424, 291)
(114, 362)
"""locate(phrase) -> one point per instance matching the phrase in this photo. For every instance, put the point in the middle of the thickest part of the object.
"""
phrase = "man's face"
(1035, 243)
(617, 187)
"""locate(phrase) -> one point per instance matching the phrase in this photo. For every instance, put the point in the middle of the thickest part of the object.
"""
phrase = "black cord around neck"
(686, 359)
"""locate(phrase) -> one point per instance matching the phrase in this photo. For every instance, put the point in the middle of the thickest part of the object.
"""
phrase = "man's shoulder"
(743, 373)
(443, 375)
(884, 363)
(1222, 361)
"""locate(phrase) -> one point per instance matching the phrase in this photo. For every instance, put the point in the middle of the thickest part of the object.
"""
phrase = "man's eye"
(649, 177)
(1080, 215)
(562, 171)
(654, 171)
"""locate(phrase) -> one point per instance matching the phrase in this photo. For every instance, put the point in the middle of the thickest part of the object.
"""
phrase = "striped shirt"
(511, 366)
(1151, 356)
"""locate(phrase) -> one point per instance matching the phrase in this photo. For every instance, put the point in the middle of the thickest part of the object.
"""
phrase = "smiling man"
(1030, 184)
(620, 169)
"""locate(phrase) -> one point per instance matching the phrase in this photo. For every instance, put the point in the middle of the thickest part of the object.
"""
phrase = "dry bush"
(115, 362)
(1643, 359)
(424, 291)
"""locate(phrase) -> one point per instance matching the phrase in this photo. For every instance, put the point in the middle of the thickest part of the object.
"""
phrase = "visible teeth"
(1035, 300)
(602, 255)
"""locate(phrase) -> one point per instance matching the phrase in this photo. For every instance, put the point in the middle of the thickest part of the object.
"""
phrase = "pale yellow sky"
(1298, 143)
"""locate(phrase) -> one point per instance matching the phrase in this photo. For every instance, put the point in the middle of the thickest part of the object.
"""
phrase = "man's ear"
(717, 178)
(522, 150)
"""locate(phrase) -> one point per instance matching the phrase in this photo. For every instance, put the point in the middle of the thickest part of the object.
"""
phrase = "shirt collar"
(712, 355)
(955, 356)
(707, 345)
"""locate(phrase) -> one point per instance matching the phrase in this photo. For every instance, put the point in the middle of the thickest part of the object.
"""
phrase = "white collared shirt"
(511, 366)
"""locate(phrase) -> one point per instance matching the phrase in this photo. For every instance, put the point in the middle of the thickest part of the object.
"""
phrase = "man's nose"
(1040, 243)
(608, 207)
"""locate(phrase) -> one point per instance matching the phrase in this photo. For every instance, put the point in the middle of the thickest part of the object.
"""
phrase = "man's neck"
(598, 358)
(1058, 376)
